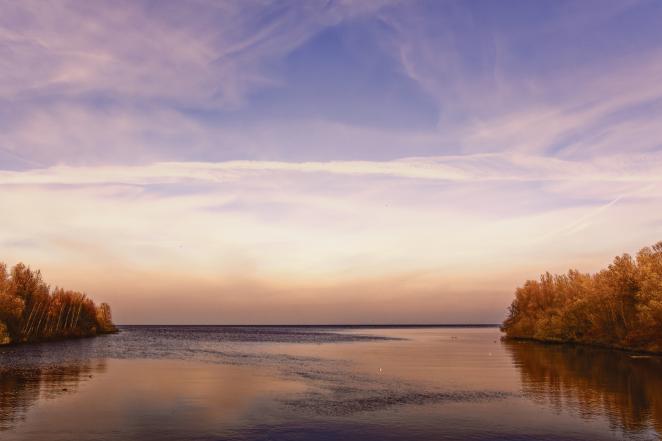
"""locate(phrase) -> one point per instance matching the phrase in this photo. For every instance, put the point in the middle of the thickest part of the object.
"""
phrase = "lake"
(324, 383)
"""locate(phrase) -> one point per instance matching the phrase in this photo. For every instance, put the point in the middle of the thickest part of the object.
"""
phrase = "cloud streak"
(200, 54)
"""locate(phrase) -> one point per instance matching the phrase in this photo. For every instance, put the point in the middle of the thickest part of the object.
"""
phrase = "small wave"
(329, 406)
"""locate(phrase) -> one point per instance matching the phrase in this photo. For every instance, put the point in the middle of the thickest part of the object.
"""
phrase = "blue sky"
(304, 151)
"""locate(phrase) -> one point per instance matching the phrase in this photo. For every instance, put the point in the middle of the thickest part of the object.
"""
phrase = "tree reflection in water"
(625, 388)
(22, 387)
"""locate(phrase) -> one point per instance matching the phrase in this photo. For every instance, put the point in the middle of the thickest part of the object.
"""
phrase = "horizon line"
(332, 325)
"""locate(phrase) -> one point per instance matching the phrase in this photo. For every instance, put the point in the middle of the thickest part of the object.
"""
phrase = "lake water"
(309, 383)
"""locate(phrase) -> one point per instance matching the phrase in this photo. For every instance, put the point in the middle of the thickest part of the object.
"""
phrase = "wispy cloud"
(465, 168)
(197, 54)
(140, 84)
(515, 86)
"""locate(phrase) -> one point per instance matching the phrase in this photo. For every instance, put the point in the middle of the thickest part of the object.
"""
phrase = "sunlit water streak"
(303, 383)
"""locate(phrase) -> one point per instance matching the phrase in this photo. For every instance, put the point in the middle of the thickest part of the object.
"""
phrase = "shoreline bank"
(554, 342)
(6, 339)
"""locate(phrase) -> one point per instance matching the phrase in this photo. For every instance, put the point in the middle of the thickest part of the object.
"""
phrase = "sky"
(254, 162)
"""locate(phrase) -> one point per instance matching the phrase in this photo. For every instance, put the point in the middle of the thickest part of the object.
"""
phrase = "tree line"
(31, 311)
(620, 306)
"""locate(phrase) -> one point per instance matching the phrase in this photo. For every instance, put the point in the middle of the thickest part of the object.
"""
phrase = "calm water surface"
(279, 383)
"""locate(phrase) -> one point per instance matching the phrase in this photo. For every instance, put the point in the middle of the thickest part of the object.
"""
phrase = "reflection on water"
(22, 387)
(214, 383)
(626, 388)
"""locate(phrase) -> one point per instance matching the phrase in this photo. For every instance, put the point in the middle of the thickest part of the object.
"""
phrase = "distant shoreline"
(480, 325)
